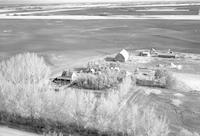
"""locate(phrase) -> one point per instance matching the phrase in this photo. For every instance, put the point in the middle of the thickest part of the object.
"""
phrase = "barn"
(122, 56)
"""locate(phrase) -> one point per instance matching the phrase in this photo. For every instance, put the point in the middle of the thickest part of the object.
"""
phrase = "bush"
(138, 121)
(166, 77)
(102, 65)
(100, 81)
(161, 73)
(72, 106)
(27, 68)
(22, 78)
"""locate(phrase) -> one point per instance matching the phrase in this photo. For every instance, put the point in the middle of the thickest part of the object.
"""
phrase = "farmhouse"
(123, 56)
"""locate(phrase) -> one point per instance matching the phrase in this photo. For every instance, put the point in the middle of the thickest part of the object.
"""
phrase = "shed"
(145, 53)
(166, 55)
(123, 56)
(62, 80)
(67, 77)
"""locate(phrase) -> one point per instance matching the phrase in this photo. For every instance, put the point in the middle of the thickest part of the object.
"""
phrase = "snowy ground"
(114, 17)
(5, 131)
(190, 80)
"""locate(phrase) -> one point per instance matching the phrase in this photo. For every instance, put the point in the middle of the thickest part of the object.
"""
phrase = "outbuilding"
(66, 78)
(166, 55)
(123, 56)
(145, 53)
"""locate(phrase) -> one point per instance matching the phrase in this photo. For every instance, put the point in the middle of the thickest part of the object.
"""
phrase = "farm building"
(146, 77)
(62, 80)
(145, 53)
(123, 56)
(166, 55)
(67, 77)
(154, 53)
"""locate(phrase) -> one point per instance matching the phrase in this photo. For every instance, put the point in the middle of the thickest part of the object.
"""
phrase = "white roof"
(125, 54)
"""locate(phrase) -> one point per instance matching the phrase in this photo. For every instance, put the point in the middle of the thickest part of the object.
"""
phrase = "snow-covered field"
(164, 9)
(125, 17)
(185, 8)
(192, 81)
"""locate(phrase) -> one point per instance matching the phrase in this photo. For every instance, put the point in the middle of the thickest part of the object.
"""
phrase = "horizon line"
(88, 1)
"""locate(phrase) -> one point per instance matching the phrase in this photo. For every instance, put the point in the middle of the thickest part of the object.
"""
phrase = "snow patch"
(179, 95)
(152, 91)
(176, 102)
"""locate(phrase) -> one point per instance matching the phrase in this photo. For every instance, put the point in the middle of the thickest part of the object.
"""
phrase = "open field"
(97, 26)
(71, 35)
(82, 39)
